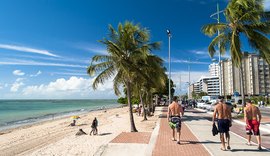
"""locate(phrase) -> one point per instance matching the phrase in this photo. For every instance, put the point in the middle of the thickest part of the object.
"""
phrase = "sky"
(46, 45)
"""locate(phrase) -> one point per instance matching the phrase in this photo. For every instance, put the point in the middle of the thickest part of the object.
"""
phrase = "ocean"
(15, 113)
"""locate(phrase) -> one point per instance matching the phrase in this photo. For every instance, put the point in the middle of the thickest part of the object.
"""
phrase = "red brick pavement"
(132, 137)
(189, 146)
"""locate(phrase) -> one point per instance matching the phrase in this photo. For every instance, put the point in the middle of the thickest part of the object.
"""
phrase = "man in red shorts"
(253, 118)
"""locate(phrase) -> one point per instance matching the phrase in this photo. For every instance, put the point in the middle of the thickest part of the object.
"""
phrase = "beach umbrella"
(75, 117)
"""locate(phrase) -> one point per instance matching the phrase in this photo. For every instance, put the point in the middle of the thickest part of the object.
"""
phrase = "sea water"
(14, 113)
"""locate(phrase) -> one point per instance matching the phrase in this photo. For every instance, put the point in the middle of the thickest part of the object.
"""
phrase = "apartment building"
(255, 76)
(214, 69)
(209, 84)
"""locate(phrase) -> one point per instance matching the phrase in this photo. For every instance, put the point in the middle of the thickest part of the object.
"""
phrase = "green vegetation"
(244, 20)
(129, 63)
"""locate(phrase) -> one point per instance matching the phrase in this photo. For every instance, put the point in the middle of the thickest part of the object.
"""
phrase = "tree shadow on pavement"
(199, 142)
(249, 150)
(102, 134)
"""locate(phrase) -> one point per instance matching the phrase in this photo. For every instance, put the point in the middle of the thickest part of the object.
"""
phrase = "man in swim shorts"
(223, 114)
(253, 119)
(175, 112)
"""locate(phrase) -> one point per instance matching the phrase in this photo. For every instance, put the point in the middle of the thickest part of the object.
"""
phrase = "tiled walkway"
(190, 146)
(131, 137)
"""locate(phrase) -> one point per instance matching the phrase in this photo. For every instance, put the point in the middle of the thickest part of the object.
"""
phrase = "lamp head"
(168, 32)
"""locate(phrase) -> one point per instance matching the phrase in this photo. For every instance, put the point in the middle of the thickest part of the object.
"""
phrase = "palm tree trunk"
(144, 111)
(132, 123)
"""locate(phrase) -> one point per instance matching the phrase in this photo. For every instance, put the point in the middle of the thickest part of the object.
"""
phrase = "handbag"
(214, 129)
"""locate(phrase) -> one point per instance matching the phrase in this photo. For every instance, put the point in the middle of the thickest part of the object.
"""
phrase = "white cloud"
(26, 49)
(1, 86)
(200, 52)
(267, 5)
(97, 50)
(18, 73)
(69, 73)
(74, 87)
(34, 63)
(173, 60)
(35, 75)
(16, 85)
(93, 48)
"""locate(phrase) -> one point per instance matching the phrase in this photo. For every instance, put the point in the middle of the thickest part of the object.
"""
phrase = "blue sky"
(46, 45)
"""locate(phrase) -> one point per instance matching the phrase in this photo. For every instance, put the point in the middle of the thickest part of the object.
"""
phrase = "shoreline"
(52, 117)
(55, 137)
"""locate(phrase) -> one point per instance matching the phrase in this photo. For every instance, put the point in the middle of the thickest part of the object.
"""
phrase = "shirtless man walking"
(175, 112)
(253, 119)
(223, 114)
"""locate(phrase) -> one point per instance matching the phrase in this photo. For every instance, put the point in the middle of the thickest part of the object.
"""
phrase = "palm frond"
(212, 29)
(104, 75)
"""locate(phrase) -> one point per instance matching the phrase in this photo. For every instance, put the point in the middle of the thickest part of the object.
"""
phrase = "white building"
(209, 84)
(214, 69)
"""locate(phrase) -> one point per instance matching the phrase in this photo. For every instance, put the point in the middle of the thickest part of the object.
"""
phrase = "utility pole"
(219, 57)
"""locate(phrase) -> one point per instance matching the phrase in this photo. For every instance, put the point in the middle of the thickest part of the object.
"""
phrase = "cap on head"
(220, 99)
(248, 101)
(175, 98)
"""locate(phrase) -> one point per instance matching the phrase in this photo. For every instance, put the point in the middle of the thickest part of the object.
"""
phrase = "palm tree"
(154, 80)
(244, 18)
(126, 46)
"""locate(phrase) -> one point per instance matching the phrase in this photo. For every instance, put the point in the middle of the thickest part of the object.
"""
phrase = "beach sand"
(55, 137)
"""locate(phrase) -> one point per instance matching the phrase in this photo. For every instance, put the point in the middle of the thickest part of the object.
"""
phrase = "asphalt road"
(265, 111)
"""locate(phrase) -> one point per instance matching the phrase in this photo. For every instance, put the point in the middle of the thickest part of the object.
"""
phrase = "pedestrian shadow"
(102, 134)
(250, 150)
(162, 116)
(199, 142)
(268, 135)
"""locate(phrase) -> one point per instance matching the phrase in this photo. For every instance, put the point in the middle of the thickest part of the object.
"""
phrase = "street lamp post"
(219, 57)
(169, 37)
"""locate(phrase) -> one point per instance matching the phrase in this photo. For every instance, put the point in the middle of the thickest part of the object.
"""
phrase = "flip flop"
(173, 139)
(178, 142)
(228, 147)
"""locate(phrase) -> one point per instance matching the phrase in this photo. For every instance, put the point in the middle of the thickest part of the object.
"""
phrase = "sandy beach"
(55, 137)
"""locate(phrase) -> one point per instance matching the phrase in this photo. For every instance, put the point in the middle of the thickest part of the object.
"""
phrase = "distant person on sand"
(224, 117)
(140, 110)
(80, 132)
(94, 127)
(253, 119)
(175, 112)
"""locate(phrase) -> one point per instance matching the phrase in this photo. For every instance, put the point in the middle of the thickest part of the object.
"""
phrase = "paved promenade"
(196, 139)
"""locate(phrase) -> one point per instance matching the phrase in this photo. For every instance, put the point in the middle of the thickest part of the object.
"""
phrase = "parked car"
(213, 105)
(207, 105)
(200, 104)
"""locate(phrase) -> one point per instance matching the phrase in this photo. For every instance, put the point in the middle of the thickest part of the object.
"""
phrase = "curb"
(153, 139)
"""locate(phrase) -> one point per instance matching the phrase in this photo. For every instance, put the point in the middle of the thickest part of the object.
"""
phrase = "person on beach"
(253, 118)
(224, 119)
(175, 112)
(80, 132)
(94, 127)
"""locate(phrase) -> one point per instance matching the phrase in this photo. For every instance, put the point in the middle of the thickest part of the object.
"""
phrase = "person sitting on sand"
(94, 127)
(73, 123)
(80, 132)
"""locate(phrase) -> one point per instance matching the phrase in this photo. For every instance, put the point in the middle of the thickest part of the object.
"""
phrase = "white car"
(200, 104)
(207, 105)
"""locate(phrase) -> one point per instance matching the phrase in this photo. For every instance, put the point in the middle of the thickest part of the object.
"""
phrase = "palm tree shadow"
(199, 142)
(250, 150)
(102, 134)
